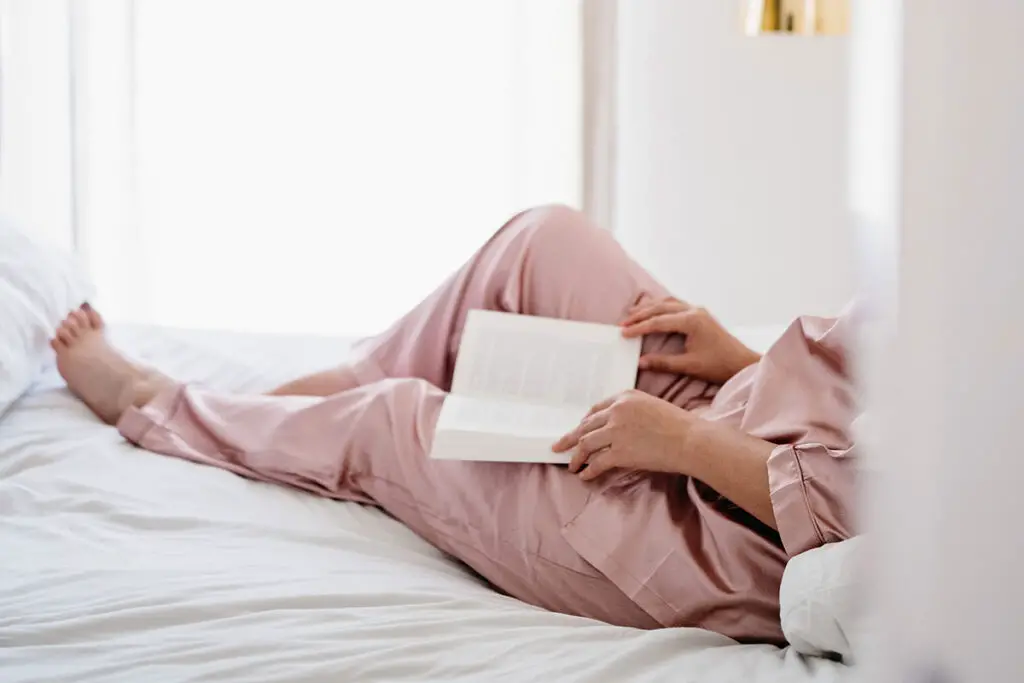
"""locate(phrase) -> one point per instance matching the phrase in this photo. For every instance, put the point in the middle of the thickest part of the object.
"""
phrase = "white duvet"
(119, 565)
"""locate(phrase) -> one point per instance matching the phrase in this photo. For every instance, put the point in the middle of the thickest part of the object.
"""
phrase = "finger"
(579, 459)
(670, 306)
(593, 421)
(644, 299)
(566, 443)
(680, 364)
(647, 299)
(572, 438)
(641, 313)
(588, 424)
(643, 302)
(595, 441)
(599, 464)
(636, 316)
(650, 325)
(660, 308)
(589, 446)
(665, 324)
(603, 405)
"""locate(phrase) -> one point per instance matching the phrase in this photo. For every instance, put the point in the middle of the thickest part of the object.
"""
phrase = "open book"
(522, 382)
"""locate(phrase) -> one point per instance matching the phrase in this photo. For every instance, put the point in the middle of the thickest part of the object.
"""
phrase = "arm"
(324, 383)
(640, 432)
(732, 463)
(804, 491)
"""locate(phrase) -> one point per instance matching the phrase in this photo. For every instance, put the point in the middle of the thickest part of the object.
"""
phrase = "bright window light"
(319, 166)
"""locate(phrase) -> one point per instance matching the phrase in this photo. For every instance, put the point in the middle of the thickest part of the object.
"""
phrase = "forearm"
(324, 383)
(732, 463)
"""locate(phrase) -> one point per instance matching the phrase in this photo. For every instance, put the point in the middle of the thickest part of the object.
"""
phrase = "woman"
(684, 498)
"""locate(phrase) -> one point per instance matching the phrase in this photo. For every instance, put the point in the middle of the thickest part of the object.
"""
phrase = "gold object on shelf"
(798, 17)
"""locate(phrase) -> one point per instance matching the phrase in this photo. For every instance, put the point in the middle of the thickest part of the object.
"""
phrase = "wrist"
(701, 440)
(750, 357)
(745, 358)
(735, 465)
(710, 447)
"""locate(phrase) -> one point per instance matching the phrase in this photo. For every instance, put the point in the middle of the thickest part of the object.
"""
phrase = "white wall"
(947, 512)
(731, 182)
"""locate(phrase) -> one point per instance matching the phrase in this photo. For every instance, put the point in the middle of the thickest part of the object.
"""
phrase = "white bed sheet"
(118, 565)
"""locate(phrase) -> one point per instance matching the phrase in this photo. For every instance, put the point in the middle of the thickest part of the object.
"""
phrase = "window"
(316, 165)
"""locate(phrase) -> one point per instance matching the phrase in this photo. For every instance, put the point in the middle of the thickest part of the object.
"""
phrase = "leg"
(370, 445)
(550, 262)
(323, 383)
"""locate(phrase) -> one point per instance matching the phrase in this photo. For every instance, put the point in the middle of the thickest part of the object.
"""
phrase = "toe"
(64, 335)
(95, 320)
(56, 344)
(70, 326)
(81, 320)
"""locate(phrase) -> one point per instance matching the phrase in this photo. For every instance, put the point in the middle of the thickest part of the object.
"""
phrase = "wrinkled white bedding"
(118, 565)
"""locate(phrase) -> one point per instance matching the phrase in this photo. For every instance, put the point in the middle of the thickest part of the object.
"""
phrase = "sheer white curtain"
(312, 165)
(35, 134)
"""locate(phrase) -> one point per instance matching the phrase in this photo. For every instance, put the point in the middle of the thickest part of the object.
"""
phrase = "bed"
(119, 565)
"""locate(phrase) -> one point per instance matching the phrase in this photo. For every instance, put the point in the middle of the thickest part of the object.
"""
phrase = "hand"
(633, 431)
(710, 353)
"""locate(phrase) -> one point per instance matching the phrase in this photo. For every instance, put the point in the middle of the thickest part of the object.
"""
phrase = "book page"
(482, 429)
(542, 360)
(509, 417)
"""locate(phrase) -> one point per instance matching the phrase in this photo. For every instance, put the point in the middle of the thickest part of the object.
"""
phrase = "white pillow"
(39, 284)
(822, 598)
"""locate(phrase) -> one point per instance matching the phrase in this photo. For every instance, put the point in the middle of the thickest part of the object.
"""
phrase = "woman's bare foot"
(98, 373)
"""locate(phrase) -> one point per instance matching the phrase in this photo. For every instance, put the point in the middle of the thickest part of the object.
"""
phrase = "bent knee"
(556, 217)
(557, 228)
(562, 212)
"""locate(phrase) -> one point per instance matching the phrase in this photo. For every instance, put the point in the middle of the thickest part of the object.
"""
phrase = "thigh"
(552, 262)
(504, 520)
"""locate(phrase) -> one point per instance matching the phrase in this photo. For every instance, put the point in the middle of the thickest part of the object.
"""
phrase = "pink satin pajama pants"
(508, 522)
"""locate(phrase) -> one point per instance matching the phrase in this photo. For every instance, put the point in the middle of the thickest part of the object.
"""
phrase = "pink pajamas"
(632, 549)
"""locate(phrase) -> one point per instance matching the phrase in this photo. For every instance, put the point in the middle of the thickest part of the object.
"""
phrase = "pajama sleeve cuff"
(811, 492)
